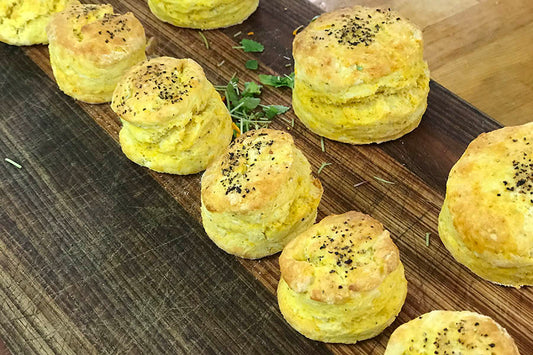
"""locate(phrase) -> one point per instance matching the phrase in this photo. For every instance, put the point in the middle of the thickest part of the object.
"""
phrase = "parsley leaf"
(277, 81)
(251, 88)
(252, 64)
(249, 103)
(273, 110)
(250, 46)
(245, 107)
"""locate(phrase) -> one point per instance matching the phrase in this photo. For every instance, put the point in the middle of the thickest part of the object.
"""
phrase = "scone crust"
(341, 280)
(203, 14)
(96, 33)
(449, 332)
(487, 219)
(355, 45)
(248, 175)
(160, 89)
(23, 23)
(259, 194)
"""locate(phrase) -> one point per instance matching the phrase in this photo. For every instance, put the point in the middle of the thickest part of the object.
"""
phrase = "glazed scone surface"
(341, 280)
(487, 218)
(259, 194)
(451, 332)
(360, 76)
(23, 22)
(203, 14)
(173, 119)
(91, 48)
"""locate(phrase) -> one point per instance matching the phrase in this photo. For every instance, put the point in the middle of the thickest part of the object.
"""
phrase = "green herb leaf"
(232, 95)
(251, 88)
(251, 46)
(277, 81)
(273, 110)
(252, 64)
(249, 103)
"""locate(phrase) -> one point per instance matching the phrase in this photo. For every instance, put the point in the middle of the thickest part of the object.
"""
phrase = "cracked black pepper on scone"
(342, 280)
(91, 48)
(360, 75)
(259, 194)
(486, 221)
(173, 119)
(451, 333)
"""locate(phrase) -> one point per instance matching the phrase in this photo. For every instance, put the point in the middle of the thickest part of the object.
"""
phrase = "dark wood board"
(99, 255)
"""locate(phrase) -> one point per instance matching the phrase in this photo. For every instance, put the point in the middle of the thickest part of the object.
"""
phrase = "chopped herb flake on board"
(245, 106)
(250, 46)
(277, 81)
(252, 64)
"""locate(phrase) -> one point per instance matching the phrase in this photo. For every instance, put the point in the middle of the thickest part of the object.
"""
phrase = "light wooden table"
(481, 50)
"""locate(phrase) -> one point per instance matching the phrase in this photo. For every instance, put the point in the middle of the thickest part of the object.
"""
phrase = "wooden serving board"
(99, 255)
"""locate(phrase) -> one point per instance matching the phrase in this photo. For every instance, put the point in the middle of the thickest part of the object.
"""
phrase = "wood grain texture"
(123, 265)
(95, 247)
(479, 49)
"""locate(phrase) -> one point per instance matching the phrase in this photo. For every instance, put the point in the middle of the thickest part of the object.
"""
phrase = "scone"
(342, 280)
(486, 221)
(173, 119)
(451, 332)
(360, 76)
(203, 14)
(23, 22)
(91, 48)
(259, 194)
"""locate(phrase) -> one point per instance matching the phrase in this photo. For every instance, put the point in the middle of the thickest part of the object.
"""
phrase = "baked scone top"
(161, 89)
(250, 173)
(338, 257)
(450, 332)
(353, 45)
(96, 33)
(490, 194)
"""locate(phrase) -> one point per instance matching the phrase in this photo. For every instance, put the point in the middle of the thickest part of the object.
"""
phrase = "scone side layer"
(181, 146)
(362, 317)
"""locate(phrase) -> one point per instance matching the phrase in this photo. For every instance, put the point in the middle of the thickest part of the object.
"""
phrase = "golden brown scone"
(23, 22)
(173, 119)
(451, 332)
(259, 194)
(91, 48)
(486, 221)
(203, 14)
(360, 76)
(342, 280)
